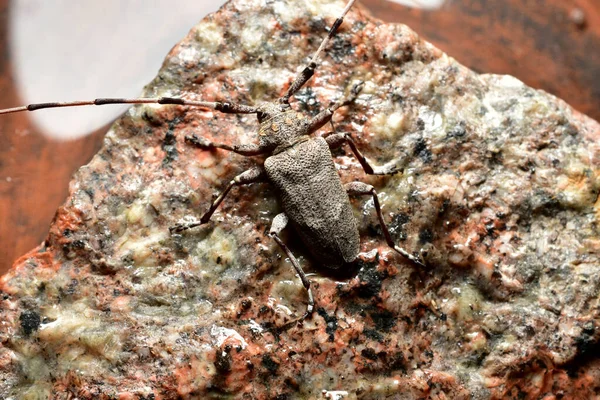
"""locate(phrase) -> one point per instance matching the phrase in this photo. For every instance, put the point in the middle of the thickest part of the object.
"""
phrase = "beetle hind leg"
(360, 188)
(279, 223)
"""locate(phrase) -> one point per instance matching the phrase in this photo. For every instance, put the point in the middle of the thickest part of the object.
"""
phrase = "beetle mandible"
(314, 200)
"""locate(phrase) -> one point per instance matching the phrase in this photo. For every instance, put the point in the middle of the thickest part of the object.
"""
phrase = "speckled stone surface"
(499, 193)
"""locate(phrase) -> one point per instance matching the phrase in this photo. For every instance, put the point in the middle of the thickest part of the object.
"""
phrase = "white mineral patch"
(220, 334)
(388, 126)
(217, 252)
(85, 331)
(326, 8)
(189, 55)
(210, 35)
(434, 123)
(255, 327)
(140, 245)
(253, 36)
(335, 394)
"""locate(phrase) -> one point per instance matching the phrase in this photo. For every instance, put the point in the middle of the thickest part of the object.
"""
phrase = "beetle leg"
(360, 188)
(255, 174)
(324, 116)
(337, 139)
(243, 149)
(279, 223)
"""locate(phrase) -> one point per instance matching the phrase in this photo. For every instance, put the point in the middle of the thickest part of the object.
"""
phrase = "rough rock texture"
(499, 193)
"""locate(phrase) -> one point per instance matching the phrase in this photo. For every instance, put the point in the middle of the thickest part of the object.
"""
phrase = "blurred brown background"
(549, 44)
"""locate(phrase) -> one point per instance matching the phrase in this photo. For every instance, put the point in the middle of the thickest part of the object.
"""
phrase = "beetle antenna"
(309, 70)
(212, 105)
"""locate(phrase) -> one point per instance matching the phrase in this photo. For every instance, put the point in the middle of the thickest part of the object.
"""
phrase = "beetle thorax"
(280, 127)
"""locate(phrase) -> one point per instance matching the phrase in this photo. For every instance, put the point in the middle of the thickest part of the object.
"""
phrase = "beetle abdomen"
(315, 201)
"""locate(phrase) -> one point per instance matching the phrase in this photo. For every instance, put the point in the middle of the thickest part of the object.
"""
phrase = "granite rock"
(499, 193)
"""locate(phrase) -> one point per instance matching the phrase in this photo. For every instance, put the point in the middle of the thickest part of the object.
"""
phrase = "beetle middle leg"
(338, 139)
(279, 223)
(361, 188)
(255, 174)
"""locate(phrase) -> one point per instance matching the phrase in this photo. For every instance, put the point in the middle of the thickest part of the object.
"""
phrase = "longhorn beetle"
(314, 200)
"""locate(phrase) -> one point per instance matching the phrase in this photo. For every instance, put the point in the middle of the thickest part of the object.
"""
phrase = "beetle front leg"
(360, 188)
(338, 139)
(279, 223)
(243, 149)
(256, 174)
(324, 116)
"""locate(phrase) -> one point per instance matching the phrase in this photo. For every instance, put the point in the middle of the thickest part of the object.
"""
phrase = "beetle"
(300, 167)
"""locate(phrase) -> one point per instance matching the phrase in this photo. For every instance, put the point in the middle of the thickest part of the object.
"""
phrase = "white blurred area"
(83, 49)
(424, 4)
(64, 50)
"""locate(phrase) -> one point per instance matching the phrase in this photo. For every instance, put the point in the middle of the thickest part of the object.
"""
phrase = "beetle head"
(267, 111)
(280, 125)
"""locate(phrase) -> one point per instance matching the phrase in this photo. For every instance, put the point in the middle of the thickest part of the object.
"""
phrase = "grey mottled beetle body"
(315, 201)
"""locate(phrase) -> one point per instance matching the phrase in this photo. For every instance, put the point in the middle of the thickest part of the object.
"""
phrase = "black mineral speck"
(30, 322)
(223, 360)
(397, 362)
(396, 227)
(369, 353)
(341, 48)
(269, 364)
(529, 330)
(422, 151)
(370, 280)
(263, 309)
(246, 304)
(458, 131)
(384, 321)
(307, 101)
(169, 147)
(373, 334)
(331, 321)
(425, 236)
(544, 203)
(589, 328)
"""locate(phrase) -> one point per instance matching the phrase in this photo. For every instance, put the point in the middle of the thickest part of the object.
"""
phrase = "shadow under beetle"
(314, 200)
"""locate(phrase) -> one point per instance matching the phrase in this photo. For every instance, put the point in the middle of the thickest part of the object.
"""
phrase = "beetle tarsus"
(180, 227)
(199, 142)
